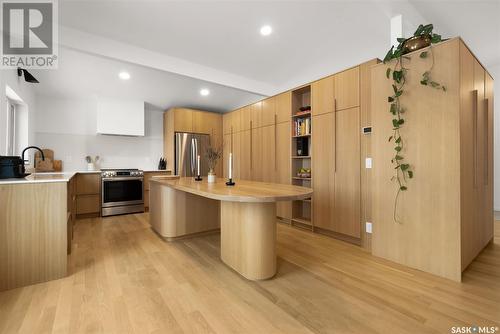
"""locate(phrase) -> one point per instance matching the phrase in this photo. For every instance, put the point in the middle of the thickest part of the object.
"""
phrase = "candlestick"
(198, 165)
(198, 176)
(230, 182)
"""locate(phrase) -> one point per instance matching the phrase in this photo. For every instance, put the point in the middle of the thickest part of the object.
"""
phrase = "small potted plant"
(213, 154)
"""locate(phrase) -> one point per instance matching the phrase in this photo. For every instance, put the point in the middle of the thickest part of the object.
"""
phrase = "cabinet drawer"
(88, 184)
(88, 204)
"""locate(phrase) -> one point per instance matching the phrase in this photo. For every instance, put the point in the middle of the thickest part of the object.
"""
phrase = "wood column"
(248, 238)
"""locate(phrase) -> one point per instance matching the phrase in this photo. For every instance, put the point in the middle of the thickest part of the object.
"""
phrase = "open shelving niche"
(301, 209)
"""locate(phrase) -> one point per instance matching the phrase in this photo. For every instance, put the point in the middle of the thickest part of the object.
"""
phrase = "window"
(11, 128)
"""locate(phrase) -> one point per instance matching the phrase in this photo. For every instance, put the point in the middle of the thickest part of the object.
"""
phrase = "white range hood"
(120, 117)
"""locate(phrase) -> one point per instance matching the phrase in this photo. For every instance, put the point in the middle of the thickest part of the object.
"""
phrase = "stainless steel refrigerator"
(187, 148)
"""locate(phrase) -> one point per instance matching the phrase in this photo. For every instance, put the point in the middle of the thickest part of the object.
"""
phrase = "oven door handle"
(110, 179)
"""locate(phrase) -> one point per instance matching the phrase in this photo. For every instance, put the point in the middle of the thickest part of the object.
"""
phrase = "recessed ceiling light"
(124, 75)
(204, 92)
(266, 30)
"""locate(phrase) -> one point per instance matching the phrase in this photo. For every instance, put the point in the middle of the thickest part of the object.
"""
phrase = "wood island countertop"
(242, 191)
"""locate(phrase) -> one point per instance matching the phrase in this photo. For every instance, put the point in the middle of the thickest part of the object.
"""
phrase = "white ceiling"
(221, 42)
(81, 75)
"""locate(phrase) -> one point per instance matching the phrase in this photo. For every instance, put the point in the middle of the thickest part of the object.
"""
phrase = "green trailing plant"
(398, 75)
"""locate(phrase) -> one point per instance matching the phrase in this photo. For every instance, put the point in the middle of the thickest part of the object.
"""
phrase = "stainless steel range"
(122, 191)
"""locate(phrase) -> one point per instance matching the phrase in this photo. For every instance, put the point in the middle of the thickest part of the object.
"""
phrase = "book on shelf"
(302, 127)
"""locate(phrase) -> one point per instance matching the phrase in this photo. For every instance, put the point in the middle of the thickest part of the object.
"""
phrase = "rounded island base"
(248, 238)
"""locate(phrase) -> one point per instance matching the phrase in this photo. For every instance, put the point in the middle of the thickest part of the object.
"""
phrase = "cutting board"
(48, 164)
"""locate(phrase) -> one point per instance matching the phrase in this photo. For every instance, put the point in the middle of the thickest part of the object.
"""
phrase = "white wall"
(68, 126)
(495, 73)
(26, 93)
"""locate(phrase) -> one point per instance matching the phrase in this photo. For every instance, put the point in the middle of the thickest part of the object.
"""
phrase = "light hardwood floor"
(124, 279)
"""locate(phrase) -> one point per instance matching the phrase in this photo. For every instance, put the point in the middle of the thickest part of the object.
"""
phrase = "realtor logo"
(29, 34)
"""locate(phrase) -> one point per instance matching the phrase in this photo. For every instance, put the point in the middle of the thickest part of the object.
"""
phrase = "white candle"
(198, 165)
(230, 165)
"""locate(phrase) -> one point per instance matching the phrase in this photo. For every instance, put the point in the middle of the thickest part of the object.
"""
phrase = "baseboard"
(339, 236)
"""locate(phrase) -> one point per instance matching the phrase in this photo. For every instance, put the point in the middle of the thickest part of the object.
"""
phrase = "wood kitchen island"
(245, 214)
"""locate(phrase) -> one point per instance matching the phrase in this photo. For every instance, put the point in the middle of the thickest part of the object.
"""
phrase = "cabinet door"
(245, 172)
(323, 170)
(488, 135)
(256, 163)
(183, 120)
(283, 147)
(268, 153)
(256, 114)
(88, 184)
(245, 118)
(241, 155)
(228, 148)
(236, 120)
(226, 122)
(283, 107)
(346, 87)
(86, 204)
(347, 176)
(322, 96)
(268, 111)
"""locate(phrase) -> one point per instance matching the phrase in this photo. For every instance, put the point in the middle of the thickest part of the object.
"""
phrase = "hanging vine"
(398, 74)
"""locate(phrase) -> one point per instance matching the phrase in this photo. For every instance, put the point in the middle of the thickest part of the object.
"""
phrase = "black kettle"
(13, 166)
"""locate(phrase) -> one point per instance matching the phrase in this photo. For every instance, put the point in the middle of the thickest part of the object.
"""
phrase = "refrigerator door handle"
(196, 157)
(193, 159)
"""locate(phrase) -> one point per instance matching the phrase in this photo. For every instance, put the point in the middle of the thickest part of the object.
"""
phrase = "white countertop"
(42, 177)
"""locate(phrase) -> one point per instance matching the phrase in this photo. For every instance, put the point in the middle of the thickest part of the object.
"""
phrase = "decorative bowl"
(416, 43)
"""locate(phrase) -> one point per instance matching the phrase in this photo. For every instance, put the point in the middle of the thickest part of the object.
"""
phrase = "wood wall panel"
(428, 237)
(33, 233)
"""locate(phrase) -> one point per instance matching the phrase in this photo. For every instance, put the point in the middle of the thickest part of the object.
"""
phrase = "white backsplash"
(68, 126)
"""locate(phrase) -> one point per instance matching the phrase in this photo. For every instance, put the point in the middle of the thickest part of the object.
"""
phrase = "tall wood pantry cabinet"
(446, 215)
(336, 152)
(258, 136)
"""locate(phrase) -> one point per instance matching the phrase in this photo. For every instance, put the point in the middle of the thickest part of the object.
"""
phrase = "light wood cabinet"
(183, 120)
(194, 121)
(256, 162)
(322, 96)
(71, 210)
(88, 184)
(283, 175)
(268, 111)
(236, 120)
(146, 185)
(256, 115)
(445, 221)
(244, 154)
(347, 208)
(323, 171)
(268, 153)
(241, 150)
(346, 87)
(88, 194)
(227, 122)
(245, 118)
(263, 166)
(283, 107)
(88, 205)
(269, 149)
